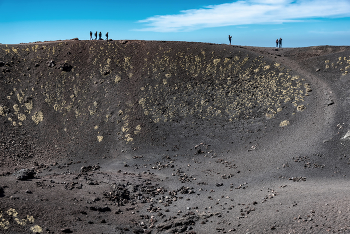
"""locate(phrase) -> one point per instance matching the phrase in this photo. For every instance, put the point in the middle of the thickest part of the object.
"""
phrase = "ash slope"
(231, 138)
(98, 98)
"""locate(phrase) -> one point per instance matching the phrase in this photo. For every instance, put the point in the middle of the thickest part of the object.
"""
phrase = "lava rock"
(51, 63)
(1, 191)
(85, 169)
(66, 230)
(100, 209)
(66, 67)
(25, 174)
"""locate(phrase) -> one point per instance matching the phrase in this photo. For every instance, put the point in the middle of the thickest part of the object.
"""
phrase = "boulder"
(25, 174)
(51, 63)
(66, 67)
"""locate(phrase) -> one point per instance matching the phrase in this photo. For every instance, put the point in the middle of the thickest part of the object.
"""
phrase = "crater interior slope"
(170, 137)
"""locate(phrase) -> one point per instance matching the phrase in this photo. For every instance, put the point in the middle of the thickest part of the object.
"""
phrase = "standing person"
(100, 36)
(280, 42)
(107, 36)
(90, 35)
(229, 38)
(277, 42)
(96, 35)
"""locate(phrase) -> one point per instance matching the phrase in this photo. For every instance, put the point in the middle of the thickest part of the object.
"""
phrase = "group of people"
(99, 36)
(279, 43)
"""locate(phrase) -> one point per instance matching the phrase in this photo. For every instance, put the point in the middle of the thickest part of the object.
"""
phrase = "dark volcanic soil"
(173, 137)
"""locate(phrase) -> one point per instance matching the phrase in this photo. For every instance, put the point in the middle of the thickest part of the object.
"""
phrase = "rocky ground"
(173, 137)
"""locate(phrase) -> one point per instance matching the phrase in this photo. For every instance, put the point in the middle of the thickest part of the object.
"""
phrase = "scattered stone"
(242, 186)
(73, 185)
(298, 179)
(85, 169)
(119, 194)
(329, 102)
(178, 225)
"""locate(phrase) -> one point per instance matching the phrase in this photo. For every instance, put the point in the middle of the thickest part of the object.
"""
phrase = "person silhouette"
(229, 38)
(280, 42)
(107, 36)
(277, 42)
(96, 35)
(100, 36)
(90, 35)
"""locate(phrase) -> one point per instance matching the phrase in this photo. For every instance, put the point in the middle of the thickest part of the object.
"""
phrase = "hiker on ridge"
(100, 36)
(90, 35)
(280, 42)
(96, 35)
(107, 36)
(277, 42)
(229, 38)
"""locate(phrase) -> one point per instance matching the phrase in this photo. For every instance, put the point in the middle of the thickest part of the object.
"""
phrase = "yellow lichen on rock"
(12, 212)
(21, 117)
(2, 111)
(301, 108)
(38, 117)
(21, 222)
(128, 138)
(16, 108)
(36, 229)
(138, 129)
(29, 106)
(284, 123)
(99, 138)
(4, 224)
(117, 79)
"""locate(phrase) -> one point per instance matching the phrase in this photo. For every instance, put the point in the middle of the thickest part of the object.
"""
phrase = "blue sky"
(250, 22)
